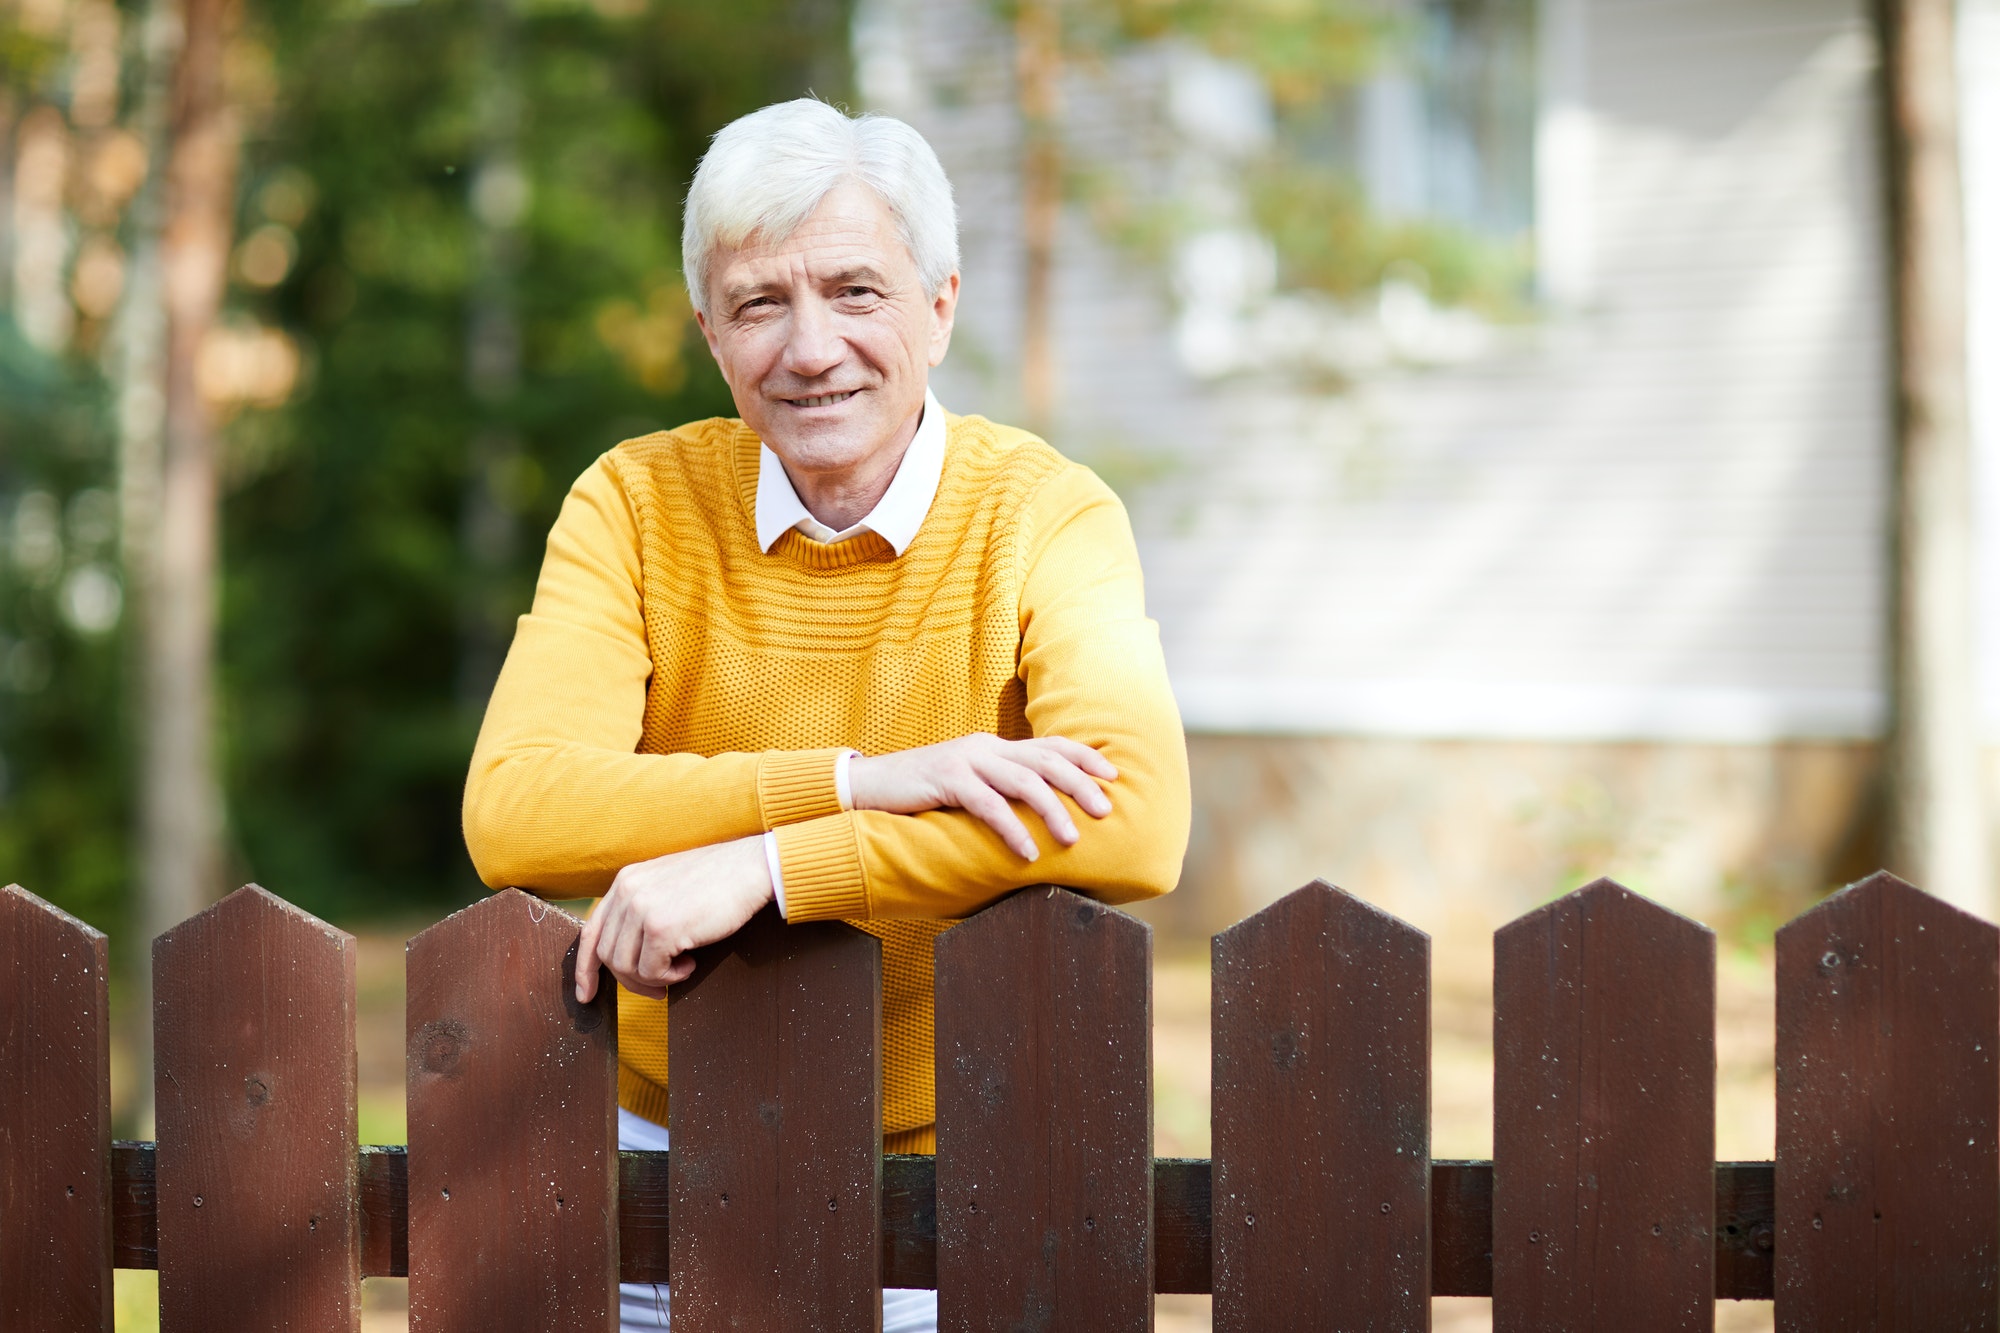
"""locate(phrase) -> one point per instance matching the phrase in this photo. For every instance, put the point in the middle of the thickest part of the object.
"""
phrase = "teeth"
(824, 400)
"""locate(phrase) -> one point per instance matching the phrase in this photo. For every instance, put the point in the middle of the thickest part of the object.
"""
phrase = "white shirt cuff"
(777, 870)
(840, 786)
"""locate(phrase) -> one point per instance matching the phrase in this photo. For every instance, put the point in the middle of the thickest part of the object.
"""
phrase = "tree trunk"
(180, 797)
(1938, 835)
(138, 371)
(1037, 80)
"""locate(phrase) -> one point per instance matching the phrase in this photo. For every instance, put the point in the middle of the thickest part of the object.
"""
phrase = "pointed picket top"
(1884, 891)
(1321, 1019)
(1606, 898)
(1888, 1098)
(513, 1113)
(1321, 901)
(14, 898)
(253, 903)
(55, 1118)
(1603, 1116)
(256, 1166)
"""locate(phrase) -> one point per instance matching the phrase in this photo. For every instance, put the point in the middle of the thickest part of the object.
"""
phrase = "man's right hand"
(980, 774)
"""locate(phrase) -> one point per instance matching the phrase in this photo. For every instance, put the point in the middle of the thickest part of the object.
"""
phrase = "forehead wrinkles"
(812, 259)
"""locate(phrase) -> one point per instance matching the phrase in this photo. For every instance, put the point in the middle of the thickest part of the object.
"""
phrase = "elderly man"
(849, 654)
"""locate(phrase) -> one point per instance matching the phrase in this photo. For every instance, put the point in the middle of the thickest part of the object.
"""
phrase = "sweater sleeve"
(558, 800)
(1093, 671)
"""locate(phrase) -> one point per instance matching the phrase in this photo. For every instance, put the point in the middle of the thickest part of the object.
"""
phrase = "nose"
(815, 346)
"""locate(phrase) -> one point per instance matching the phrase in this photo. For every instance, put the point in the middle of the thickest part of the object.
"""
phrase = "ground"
(1461, 1095)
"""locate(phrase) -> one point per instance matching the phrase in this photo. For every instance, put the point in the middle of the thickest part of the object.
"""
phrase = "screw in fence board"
(1603, 1117)
(513, 1107)
(254, 1084)
(1322, 1213)
(774, 1053)
(55, 1119)
(1045, 1118)
(1888, 1090)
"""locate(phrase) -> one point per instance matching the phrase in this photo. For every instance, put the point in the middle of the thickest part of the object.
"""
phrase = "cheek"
(891, 340)
(747, 352)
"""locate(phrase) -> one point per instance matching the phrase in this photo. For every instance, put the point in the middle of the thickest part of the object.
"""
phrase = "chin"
(829, 445)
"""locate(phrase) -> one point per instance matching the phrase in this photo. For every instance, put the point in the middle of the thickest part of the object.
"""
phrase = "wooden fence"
(511, 1208)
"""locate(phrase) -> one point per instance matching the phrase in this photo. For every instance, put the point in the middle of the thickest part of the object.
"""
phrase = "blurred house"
(1461, 609)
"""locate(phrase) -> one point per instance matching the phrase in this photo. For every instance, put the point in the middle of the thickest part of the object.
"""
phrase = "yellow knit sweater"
(675, 686)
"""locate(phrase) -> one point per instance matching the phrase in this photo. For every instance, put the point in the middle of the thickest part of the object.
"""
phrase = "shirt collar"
(895, 517)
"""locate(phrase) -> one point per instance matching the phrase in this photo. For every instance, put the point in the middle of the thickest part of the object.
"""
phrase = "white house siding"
(1607, 598)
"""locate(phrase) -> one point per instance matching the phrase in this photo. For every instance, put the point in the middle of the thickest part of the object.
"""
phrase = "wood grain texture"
(1044, 1095)
(775, 1048)
(254, 1083)
(55, 1119)
(1603, 1118)
(1321, 1114)
(513, 1109)
(1888, 1091)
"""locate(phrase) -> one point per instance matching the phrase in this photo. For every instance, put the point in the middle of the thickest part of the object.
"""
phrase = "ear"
(944, 312)
(708, 336)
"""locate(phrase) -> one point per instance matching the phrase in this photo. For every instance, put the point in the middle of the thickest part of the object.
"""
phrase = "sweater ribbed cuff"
(796, 785)
(822, 867)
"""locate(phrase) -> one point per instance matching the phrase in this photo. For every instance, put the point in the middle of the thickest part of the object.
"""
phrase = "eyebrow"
(858, 273)
(735, 295)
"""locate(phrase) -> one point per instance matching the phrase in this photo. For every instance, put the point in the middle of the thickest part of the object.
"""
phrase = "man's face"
(827, 337)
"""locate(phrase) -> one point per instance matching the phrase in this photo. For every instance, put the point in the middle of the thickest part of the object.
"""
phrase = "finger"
(1025, 785)
(682, 969)
(991, 809)
(1083, 756)
(641, 988)
(656, 960)
(621, 954)
(586, 951)
(1066, 777)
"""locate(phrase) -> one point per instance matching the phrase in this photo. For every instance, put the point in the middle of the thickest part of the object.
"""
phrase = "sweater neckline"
(795, 547)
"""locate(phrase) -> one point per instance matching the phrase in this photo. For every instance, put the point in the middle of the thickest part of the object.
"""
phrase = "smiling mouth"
(823, 400)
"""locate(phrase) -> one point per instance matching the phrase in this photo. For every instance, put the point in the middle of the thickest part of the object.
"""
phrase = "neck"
(842, 499)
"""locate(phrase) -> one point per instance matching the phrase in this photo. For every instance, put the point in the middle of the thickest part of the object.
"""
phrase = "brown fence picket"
(254, 1085)
(1044, 1096)
(1603, 1117)
(774, 1047)
(1888, 1090)
(1321, 1118)
(513, 1211)
(55, 1119)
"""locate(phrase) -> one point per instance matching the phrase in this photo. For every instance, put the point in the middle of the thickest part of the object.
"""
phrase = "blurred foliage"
(1473, 57)
(1299, 48)
(64, 804)
(347, 724)
(1329, 240)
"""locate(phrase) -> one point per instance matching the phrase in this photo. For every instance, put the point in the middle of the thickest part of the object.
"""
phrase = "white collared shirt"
(895, 519)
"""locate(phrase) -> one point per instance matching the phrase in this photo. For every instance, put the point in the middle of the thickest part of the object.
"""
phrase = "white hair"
(766, 172)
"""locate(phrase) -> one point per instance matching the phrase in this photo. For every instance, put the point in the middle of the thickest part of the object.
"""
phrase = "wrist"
(860, 774)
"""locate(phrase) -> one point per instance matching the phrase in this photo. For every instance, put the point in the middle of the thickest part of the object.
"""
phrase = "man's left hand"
(658, 911)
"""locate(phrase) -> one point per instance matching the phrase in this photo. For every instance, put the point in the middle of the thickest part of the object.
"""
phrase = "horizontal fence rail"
(512, 1209)
(1461, 1221)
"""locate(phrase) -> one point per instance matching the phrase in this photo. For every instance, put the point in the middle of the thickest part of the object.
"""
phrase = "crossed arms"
(559, 801)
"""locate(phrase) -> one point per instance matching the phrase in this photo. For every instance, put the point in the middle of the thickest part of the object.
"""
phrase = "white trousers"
(644, 1305)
